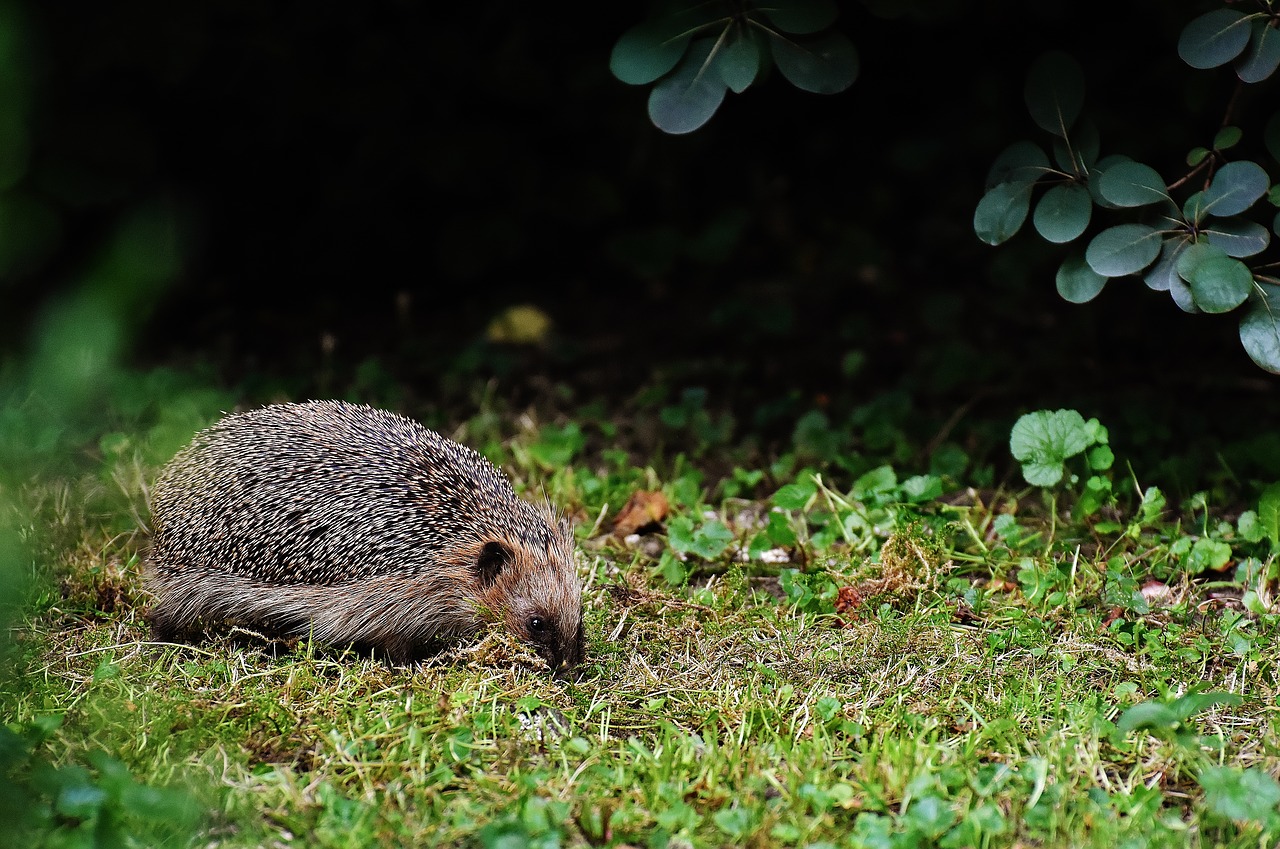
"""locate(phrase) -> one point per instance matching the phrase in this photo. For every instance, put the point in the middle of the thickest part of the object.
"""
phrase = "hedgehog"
(357, 527)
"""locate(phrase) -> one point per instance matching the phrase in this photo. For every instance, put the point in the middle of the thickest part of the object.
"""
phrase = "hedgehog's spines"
(356, 523)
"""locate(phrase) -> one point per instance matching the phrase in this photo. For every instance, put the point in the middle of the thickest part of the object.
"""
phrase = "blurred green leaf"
(823, 64)
(1055, 92)
(1077, 282)
(1063, 212)
(1214, 38)
(1226, 138)
(649, 50)
(1001, 212)
(684, 101)
(1239, 794)
(1123, 249)
(802, 17)
(1269, 513)
(1207, 555)
(1020, 162)
(739, 63)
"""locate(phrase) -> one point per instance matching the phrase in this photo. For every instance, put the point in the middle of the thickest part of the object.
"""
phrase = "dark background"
(362, 187)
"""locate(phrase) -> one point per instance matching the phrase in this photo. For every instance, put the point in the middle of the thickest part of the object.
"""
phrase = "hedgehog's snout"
(559, 643)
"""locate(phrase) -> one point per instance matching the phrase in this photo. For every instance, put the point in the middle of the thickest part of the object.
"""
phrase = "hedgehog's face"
(538, 592)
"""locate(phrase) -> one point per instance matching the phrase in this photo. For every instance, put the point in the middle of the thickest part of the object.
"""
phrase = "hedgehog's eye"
(537, 624)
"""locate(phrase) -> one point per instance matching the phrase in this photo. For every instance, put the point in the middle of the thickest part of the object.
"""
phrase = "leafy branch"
(1195, 246)
(697, 53)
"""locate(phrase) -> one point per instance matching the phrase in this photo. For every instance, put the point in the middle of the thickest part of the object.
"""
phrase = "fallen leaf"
(642, 508)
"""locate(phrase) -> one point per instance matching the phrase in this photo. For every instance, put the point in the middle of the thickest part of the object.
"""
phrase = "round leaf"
(1160, 277)
(1043, 440)
(1055, 92)
(1238, 237)
(647, 51)
(1197, 155)
(1262, 57)
(802, 17)
(826, 64)
(739, 63)
(688, 98)
(1001, 212)
(1260, 329)
(1214, 38)
(1235, 188)
(1123, 249)
(1218, 282)
(1132, 184)
(1063, 213)
(1023, 162)
(1077, 282)
(1095, 178)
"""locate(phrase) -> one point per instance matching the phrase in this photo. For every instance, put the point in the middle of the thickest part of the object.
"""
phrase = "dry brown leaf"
(642, 508)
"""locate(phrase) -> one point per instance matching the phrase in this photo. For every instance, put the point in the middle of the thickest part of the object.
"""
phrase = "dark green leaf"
(1214, 38)
(1042, 440)
(1055, 92)
(1063, 212)
(1226, 138)
(1235, 188)
(1020, 162)
(1237, 236)
(1076, 156)
(1165, 271)
(802, 17)
(1262, 57)
(1001, 212)
(739, 63)
(1197, 155)
(794, 496)
(1181, 293)
(879, 479)
(1132, 184)
(1148, 715)
(647, 51)
(1269, 513)
(1095, 178)
(688, 98)
(825, 64)
(1077, 282)
(1260, 329)
(1123, 249)
(1192, 703)
(1194, 208)
(1239, 794)
(1218, 282)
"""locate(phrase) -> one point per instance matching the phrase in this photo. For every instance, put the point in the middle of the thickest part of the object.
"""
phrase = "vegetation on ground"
(833, 646)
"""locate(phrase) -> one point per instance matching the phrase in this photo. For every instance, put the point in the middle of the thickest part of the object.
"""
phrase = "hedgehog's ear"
(494, 557)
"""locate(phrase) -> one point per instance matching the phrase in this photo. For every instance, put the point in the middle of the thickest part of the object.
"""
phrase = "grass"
(981, 670)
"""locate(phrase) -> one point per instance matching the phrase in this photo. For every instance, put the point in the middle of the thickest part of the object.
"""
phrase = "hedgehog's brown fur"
(356, 526)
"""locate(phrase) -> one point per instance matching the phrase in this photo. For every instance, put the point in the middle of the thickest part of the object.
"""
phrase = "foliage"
(96, 804)
(1203, 237)
(695, 53)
